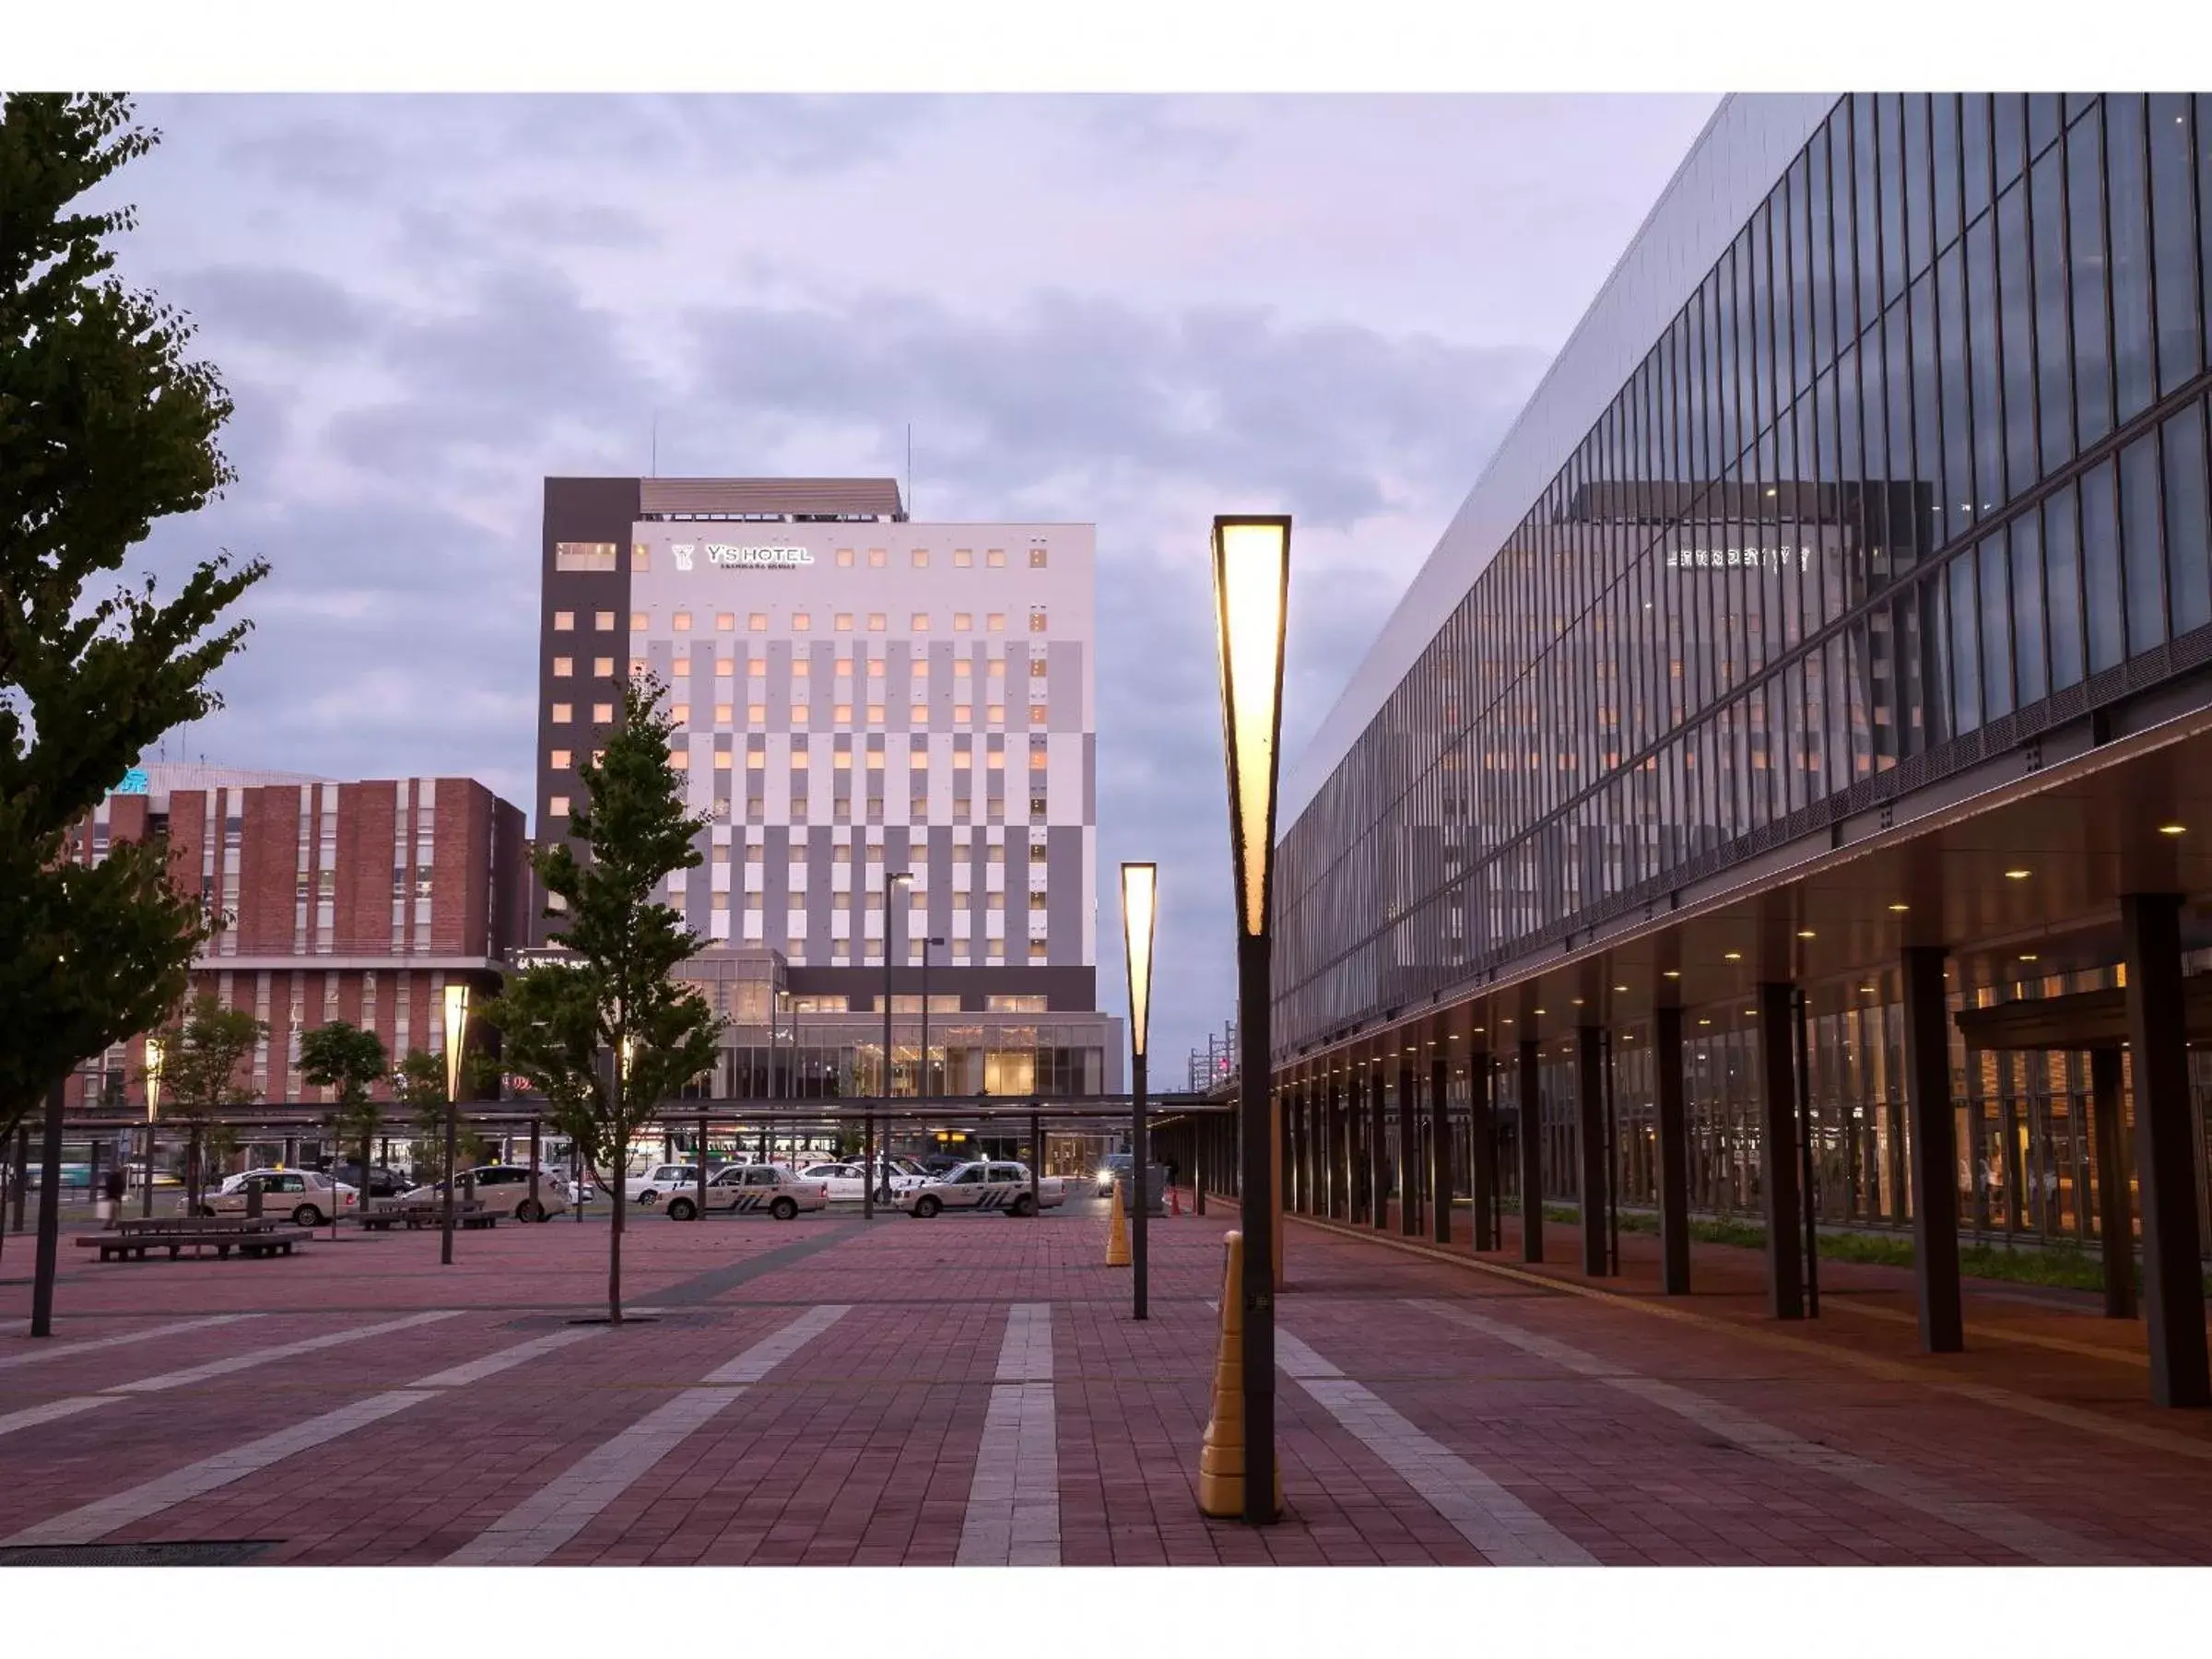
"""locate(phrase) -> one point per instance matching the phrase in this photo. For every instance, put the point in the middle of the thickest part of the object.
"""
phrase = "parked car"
(308, 1196)
(992, 1185)
(847, 1182)
(505, 1189)
(380, 1183)
(747, 1189)
(656, 1182)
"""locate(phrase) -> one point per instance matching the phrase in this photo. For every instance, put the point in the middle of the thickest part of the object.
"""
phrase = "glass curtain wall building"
(1892, 463)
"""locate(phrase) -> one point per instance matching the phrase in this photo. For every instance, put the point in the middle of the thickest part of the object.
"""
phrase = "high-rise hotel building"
(858, 698)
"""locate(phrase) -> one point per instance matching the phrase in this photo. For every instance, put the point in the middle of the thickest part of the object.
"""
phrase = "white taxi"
(848, 1183)
(308, 1196)
(983, 1186)
(749, 1189)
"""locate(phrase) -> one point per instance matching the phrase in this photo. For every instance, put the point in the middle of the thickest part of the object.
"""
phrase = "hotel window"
(963, 760)
(963, 713)
(563, 714)
(557, 806)
(874, 668)
(756, 668)
(1037, 558)
(722, 759)
(721, 901)
(1037, 852)
(996, 558)
(1036, 618)
(564, 668)
(921, 623)
(679, 713)
(844, 556)
(842, 714)
(844, 623)
(874, 759)
(962, 668)
(996, 622)
(1036, 901)
(875, 713)
(725, 621)
(963, 622)
(757, 759)
(962, 558)
(800, 668)
(757, 713)
(757, 621)
(921, 715)
(639, 621)
(680, 667)
(802, 622)
(842, 760)
(995, 713)
(799, 760)
(842, 901)
(603, 711)
(605, 665)
(918, 669)
(878, 558)
(564, 621)
(560, 759)
(680, 622)
(725, 666)
(998, 668)
(994, 901)
(725, 713)
(874, 621)
(584, 556)
(604, 622)
(843, 666)
(680, 758)
(1037, 951)
(1037, 714)
(1036, 667)
(798, 713)
(640, 558)
(997, 761)
(921, 558)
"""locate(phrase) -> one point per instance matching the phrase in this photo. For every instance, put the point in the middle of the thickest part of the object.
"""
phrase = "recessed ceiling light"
(1673, 974)
(2017, 875)
(1704, 1022)
(1869, 989)
(2027, 956)
(1578, 1002)
(1620, 987)
(1734, 955)
(1804, 932)
(1539, 1011)
(1899, 910)
(1481, 1029)
(1509, 1019)
(2173, 828)
(1753, 1012)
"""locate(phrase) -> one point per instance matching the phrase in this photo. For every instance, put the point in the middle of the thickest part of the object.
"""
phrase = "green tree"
(206, 1069)
(607, 1035)
(105, 426)
(338, 1055)
(421, 1087)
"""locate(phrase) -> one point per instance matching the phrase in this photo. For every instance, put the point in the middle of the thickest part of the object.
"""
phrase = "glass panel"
(2016, 323)
(2062, 566)
(1865, 176)
(1987, 434)
(2204, 200)
(2101, 568)
(1927, 417)
(1887, 112)
(2085, 243)
(2188, 554)
(1934, 661)
(1996, 628)
(2127, 196)
(1944, 113)
(2028, 609)
(1959, 500)
(2042, 121)
(1966, 686)
(2173, 240)
(2052, 346)
(2146, 563)
(1919, 197)
(1973, 151)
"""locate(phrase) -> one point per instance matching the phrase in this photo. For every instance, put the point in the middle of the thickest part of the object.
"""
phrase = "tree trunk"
(614, 1258)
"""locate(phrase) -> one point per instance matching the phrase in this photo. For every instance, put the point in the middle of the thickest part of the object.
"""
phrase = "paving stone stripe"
(53, 1410)
(1992, 1523)
(70, 1349)
(96, 1520)
(549, 1517)
(1506, 1530)
(1013, 1518)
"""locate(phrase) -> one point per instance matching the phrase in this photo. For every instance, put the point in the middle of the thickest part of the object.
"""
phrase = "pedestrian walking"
(111, 1203)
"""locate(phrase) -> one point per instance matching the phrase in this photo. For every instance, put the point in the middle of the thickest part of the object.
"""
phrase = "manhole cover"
(213, 1552)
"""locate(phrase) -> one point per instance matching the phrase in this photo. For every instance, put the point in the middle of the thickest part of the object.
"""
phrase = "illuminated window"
(723, 714)
(725, 621)
(605, 665)
(1036, 618)
(995, 559)
(842, 714)
(722, 759)
(996, 622)
(998, 668)
(1036, 667)
(680, 713)
(874, 621)
(564, 668)
(963, 622)
(874, 759)
(563, 714)
(875, 713)
(603, 711)
(918, 760)
(921, 558)
(680, 758)
(962, 668)
(799, 759)
(1037, 559)
(725, 666)
(640, 558)
(564, 621)
(1037, 714)
(997, 761)
(802, 622)
(680, 667)
(557, 806)
(721, 902)
(639, 621)
(757, 759)
(757, 713)
(996, 902)
(995, 713)
(963, 713)
(844, 556)
(757, 621)
(844, 621)
(801, 667)
(921, 715)
(878, 558)
(921, 624)
(584, 556)
(844, 667)
(680, 622)
(756, 668)
(604, 622)
(962, 558)
(560, 759)
(798, 713)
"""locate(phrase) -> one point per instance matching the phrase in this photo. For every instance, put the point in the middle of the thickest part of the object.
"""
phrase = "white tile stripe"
(1992, 1523)
(1490, 1518)
(33, 1415)
(97, 1520)
(66, 1349)
(1013, 1517)
(557, 1512)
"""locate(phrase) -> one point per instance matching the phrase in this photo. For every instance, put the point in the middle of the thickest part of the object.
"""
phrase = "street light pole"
(1140, 893)
(456, 1034)
(156, 1052)
(867, 1184)
(1252, 592)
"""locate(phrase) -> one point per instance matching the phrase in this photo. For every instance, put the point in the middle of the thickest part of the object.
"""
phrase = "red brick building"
(354, 901)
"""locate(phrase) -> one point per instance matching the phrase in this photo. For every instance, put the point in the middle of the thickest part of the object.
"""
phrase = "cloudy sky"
(1136, 312)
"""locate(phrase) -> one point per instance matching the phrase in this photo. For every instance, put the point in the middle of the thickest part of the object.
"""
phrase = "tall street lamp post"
(456, 1033)
(867, 1186)
(1140, 884)
(156, 1053)
(1251, 593)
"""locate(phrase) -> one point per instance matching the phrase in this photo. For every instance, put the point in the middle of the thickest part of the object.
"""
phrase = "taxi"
(751, 1189)
(993, 1185)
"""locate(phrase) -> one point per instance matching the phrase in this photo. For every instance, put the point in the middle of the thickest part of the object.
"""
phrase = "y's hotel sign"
(753, 558)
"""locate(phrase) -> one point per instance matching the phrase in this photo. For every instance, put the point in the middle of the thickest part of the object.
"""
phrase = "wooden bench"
(426, 1213)
(253, 1238)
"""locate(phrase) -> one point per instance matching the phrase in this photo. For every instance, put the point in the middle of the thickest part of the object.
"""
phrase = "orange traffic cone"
(1117, 1232)
(1221, 1457)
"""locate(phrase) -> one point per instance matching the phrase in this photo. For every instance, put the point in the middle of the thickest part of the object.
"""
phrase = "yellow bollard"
(1117, 1232)
(1221, 1457)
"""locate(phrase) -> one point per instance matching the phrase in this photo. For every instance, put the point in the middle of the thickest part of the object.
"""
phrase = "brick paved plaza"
(972, 1389)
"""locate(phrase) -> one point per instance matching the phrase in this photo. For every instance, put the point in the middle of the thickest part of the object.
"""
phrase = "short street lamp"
(1140, 884)
(456, 1033)
(1251, 593)
(156, 1053)
(867, 1185)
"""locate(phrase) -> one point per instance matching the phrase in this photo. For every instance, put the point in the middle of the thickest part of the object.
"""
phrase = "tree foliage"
(207, 1068)
(419, 1085)
(105, 426)
(607, 1034)
(339, 1054)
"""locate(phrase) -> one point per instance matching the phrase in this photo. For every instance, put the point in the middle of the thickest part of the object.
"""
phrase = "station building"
(1788, 782)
